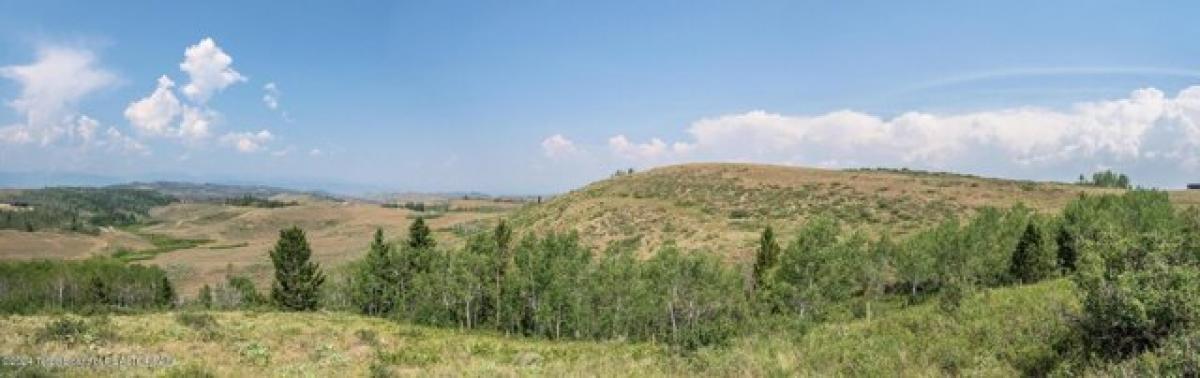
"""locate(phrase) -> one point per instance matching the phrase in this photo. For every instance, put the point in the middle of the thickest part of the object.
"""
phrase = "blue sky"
(534, 97)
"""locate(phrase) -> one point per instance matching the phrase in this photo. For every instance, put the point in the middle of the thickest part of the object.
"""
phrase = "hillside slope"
(721, 207)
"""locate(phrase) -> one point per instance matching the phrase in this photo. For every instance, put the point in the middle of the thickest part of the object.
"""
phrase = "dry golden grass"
(337, 231)
(241, 236)
(273, 344)
(20, 245)
(722, 207)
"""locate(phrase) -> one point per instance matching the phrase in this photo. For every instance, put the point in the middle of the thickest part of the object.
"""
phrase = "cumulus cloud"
(195, 123)
(655, 149)
(116, 142)
(557, 146)
(51, 88)
(1147, 130)
(247, 142)
(85, 128)
(271, 96)
(155, 114)
(209, 69)
(162, 114)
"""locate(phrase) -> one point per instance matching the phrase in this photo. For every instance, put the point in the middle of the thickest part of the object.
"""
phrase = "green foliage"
(298, 279)
(166, 292)
(79, 209)
(419, 235)
(766, 257)
(1176, 357)
(252, 201)
(97, 284)
(162, 244)
(201, 322)
(189, 371)
(553, 287)
(1107, 179)
(1136, 268)
(1035, 258)
(378, 280)
(73, 330)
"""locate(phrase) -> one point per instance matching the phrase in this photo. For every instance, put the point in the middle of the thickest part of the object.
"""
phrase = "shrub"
(76, 330)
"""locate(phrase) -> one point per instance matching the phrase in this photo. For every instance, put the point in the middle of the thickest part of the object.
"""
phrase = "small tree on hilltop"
(419, 236)
(1033, 260)
(297, 278)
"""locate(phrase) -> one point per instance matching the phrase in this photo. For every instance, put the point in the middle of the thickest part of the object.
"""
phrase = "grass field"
(993, 333)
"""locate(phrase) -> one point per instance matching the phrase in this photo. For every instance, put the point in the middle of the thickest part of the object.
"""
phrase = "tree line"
(79, 209)
(98, 284)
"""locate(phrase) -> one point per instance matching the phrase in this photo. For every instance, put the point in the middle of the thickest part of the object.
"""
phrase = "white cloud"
(271, 96)
(315, 152)
(117, 142)
(1148, 130)
(195, 123)
(15, 134)
(155, 114)
(85, 128)
(655, 149)
(51, 87)
(209, 69)
(247, 142)
(557, 146)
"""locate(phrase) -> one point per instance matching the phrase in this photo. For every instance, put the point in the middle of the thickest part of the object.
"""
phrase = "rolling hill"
(721, 207)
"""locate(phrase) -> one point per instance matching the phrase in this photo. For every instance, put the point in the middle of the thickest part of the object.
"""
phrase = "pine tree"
(101, 293)
(768, 254)
(1033, 260)
(297, 278)
(379, 279)
(419, 236)
(1066, 249)
(503, 236)
(166, 293)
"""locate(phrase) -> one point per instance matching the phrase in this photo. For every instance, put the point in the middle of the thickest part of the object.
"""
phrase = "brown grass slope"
(721, 207)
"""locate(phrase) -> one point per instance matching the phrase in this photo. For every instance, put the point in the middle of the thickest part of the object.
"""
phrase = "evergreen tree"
(1033, 260)
(206, 297)
(379, 279)
(166, 293)
(503, 236)
(297, 278)
(768, 253)
(419, 236)
(101, 294)
(1066, 249)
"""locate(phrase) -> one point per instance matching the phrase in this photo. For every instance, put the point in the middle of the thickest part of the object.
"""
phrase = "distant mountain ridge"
(188, 191)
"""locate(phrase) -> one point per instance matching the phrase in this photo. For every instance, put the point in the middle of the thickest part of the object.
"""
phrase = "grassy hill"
(722, 207)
